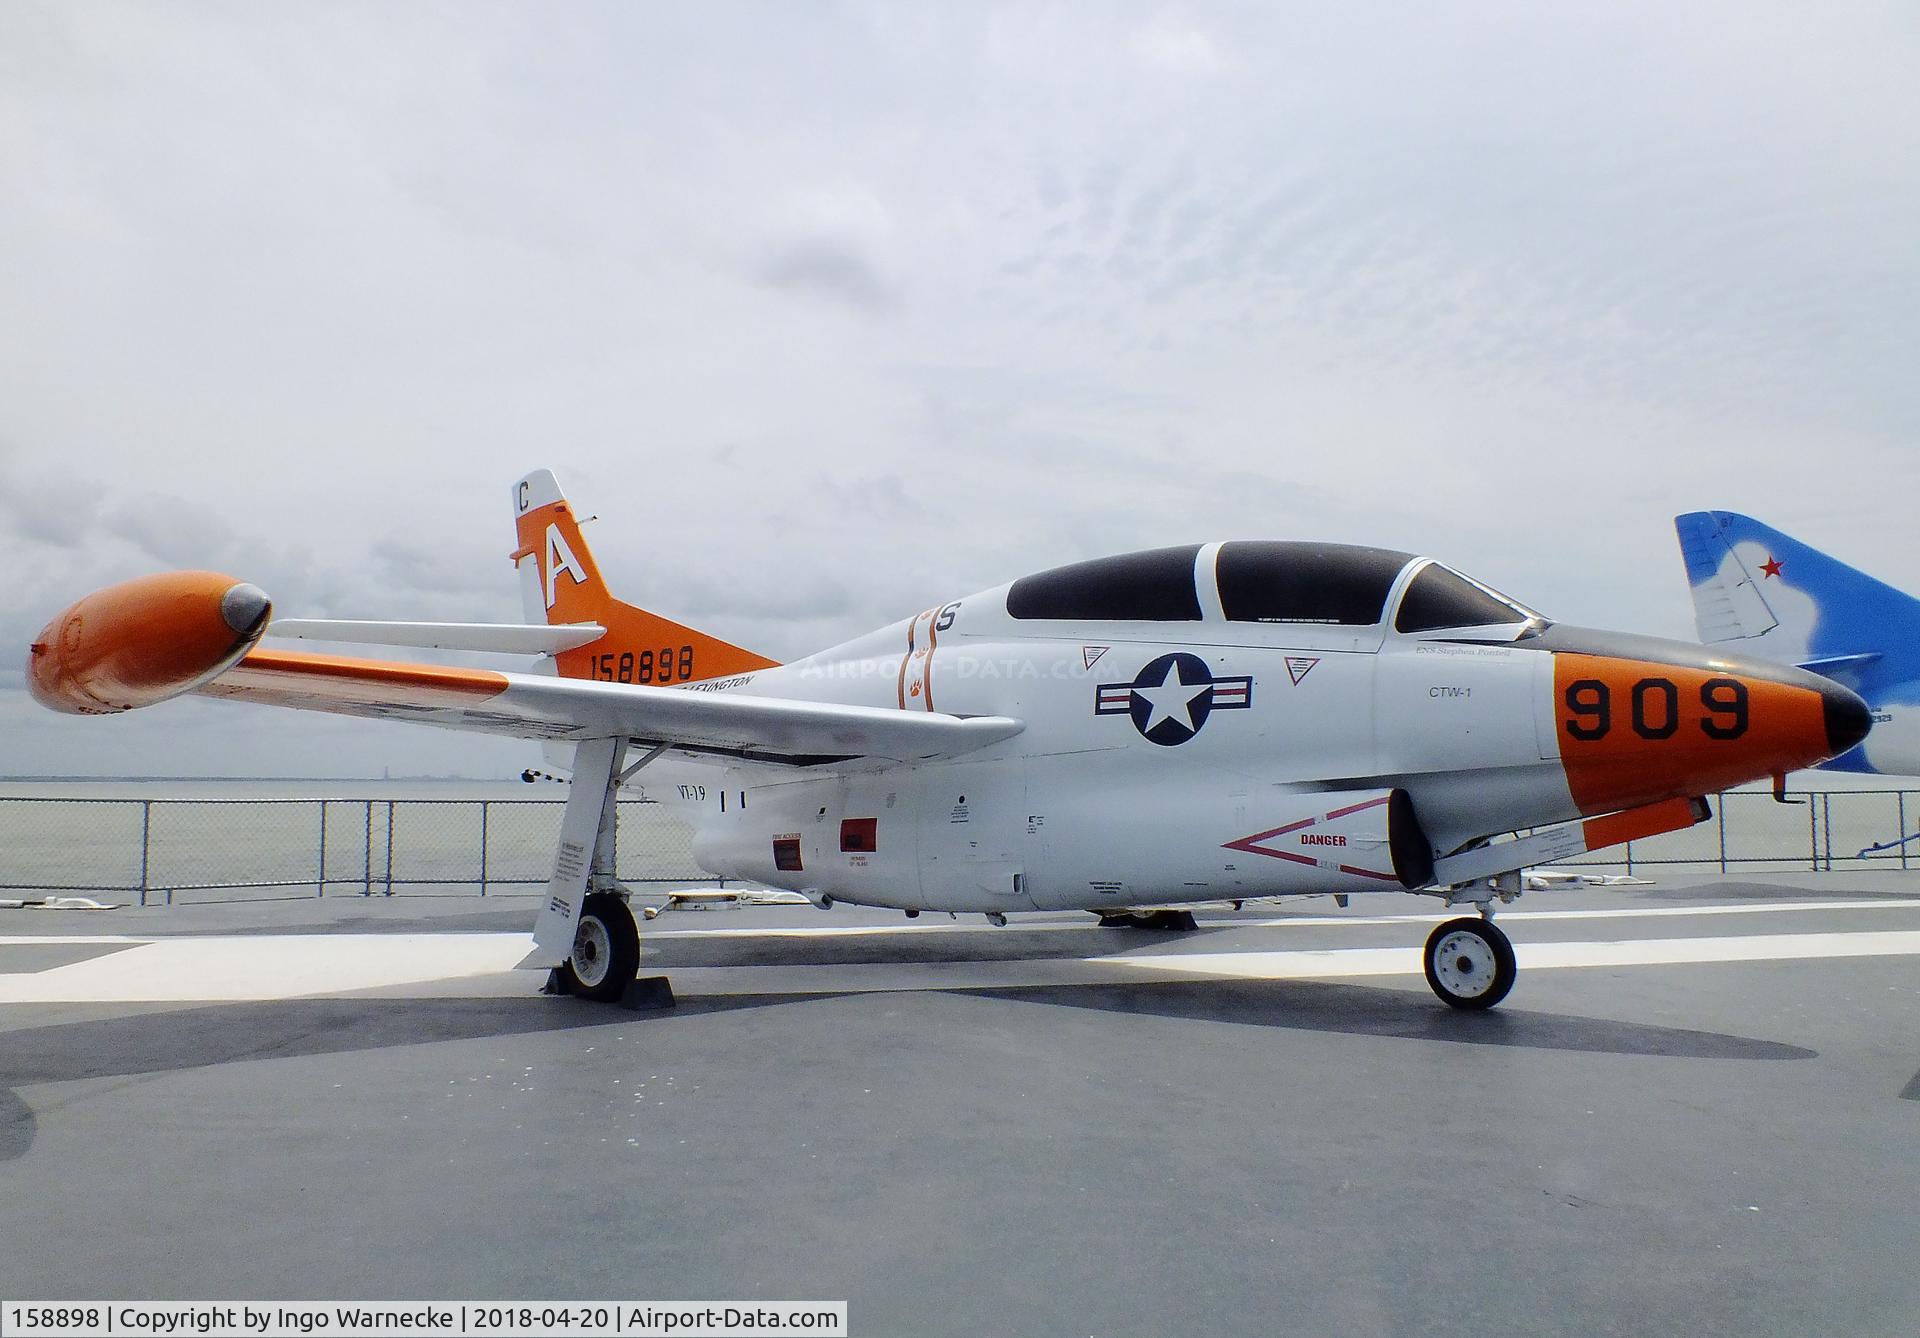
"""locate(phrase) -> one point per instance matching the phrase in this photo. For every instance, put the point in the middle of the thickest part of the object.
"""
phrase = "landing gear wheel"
(606, 950)
(1470, 963)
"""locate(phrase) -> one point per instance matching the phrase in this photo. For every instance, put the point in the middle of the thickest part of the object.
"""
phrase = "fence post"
(389, 847)
(1721, 811)
(1813, 835)
(1629, 859)
(1901, 797)
(320, 883)
(485, 805)
(367, 886)
(146, 845)
(1826, 824)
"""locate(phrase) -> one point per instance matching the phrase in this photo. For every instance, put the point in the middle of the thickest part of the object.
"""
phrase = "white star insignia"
(1172, 700)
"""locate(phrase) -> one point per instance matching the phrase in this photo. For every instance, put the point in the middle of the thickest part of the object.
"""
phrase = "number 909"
(1653, 709)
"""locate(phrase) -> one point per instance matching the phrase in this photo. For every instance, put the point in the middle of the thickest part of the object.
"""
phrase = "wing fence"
(229, 849)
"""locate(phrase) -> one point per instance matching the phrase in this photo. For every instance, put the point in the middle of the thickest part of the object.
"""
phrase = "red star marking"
(1771, 566)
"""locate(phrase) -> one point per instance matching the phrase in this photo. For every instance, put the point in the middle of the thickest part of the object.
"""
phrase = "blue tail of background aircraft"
(1774, 596)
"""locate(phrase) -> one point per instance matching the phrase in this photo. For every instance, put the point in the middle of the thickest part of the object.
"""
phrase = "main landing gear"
(606, 950)
(1170, 920)
(587, 925)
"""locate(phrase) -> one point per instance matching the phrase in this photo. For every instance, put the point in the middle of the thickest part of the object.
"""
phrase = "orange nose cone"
(1636, 731)
(144, 641)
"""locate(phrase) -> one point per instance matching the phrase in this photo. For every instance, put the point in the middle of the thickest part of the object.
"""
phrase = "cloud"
(1175, 44)
(835, 270)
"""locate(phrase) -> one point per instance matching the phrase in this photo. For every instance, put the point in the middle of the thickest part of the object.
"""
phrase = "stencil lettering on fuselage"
(1170, 699)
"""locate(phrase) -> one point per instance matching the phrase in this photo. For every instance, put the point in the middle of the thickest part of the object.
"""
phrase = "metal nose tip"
(244, 606)
(1848, 719)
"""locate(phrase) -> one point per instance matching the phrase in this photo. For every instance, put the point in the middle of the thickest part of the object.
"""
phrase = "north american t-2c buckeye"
(1219, 721)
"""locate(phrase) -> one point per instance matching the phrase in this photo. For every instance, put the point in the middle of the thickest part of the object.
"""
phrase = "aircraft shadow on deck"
(154, 1043)
(1361, 1010)
(1011, 944)
(206, 1037)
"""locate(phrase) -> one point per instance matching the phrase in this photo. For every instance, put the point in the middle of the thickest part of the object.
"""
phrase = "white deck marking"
(972, 925)
(1294, 965)
(265, 967)
(32, 940)
(1606, 913)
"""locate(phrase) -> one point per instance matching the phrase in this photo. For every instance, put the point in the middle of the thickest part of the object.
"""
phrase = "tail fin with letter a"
(560, 583)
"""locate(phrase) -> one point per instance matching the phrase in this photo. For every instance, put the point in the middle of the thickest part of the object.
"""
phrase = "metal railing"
(1751, 832)
(159, 849)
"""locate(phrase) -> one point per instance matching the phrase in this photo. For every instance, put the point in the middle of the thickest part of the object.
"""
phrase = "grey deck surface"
(988, 1132)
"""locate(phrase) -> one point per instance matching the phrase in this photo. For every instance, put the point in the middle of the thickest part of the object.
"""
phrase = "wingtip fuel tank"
(144, 640)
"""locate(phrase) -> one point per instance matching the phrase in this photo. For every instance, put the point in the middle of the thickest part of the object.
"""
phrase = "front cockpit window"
(1267, 581)
(1439, 597)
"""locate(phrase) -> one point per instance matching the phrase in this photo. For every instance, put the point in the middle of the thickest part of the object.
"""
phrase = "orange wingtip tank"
(145, 640)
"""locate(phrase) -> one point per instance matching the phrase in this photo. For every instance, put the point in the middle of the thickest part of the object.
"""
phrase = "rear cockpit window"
(1155, 586)
(1274, 582)
(1438, 598)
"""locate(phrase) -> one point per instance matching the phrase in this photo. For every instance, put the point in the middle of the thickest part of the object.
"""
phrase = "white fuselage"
(1137, 779)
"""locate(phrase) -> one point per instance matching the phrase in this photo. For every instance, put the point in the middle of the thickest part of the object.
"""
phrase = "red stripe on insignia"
(1369, 873)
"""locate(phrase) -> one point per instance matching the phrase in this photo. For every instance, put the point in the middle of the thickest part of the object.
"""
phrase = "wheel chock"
(648, 993)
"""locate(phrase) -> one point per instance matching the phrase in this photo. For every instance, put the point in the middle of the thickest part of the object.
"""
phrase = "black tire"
(1470, 963)
(606, 950)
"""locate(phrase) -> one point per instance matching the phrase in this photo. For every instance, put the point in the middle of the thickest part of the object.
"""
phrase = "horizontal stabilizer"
(506, 638)
(1832, 666)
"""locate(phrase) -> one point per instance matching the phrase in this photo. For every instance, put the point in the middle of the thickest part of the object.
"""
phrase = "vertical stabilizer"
(1774, 596)
(561, 583)
(1727, 605)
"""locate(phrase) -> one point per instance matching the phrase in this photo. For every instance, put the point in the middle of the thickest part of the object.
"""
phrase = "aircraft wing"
(533, 706)
(156, 637)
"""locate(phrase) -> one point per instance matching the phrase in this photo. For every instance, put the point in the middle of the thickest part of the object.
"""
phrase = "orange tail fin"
(561, 583)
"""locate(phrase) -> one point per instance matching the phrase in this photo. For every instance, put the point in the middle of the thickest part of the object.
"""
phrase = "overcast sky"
(834, 312)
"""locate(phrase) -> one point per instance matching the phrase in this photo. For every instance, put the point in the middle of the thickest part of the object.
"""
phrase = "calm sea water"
(194, 788)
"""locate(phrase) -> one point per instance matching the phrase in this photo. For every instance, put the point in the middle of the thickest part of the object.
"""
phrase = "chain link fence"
(222, 849)
(226, 849)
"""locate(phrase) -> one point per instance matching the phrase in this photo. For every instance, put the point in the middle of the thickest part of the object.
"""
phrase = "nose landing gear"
(1470, 962)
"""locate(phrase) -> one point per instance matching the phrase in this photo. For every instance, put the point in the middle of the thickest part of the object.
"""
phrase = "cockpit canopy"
(1265, 581)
